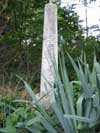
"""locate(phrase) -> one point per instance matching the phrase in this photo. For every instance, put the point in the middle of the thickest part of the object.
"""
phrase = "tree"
(21, 39)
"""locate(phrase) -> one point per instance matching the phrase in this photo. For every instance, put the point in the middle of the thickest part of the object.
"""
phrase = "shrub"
(82, 115)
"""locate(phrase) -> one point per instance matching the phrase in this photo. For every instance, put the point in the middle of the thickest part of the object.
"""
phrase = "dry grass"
(12, 91)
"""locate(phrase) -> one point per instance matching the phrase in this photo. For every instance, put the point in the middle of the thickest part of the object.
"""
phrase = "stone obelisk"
(49, 51)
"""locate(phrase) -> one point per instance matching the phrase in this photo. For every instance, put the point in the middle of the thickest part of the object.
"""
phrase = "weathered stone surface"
(50, 48)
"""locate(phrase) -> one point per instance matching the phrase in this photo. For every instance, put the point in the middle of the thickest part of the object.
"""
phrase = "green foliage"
(71, 115)
(21, 39)
(89, 96)
(24, 27)
(75, 104)
(21, 35)
(70, 32)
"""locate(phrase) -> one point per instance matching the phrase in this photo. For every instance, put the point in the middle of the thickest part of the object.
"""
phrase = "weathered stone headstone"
(50, 49)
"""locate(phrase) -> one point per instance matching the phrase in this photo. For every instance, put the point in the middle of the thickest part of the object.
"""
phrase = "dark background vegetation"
(21, 35)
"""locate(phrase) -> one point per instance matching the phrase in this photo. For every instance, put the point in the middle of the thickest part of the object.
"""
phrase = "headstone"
(50, 49)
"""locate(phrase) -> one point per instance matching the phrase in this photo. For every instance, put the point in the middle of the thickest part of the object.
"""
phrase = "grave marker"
(50, 49)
